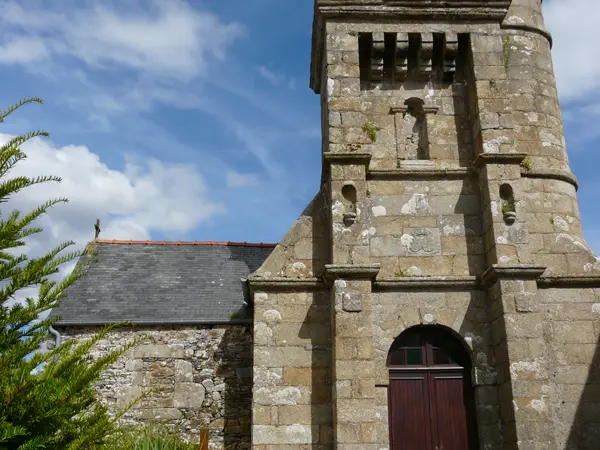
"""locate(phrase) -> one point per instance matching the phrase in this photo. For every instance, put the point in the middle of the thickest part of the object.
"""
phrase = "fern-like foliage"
(47, 400)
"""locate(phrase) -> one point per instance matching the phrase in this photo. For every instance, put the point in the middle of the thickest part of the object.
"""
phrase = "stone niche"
(200, 378)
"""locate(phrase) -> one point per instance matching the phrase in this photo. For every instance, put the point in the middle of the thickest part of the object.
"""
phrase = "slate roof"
(149, 282)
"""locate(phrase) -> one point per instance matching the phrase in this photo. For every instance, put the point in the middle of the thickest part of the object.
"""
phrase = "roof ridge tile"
(222, 243)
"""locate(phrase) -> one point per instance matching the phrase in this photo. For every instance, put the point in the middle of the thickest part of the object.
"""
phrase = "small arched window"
(427, 347)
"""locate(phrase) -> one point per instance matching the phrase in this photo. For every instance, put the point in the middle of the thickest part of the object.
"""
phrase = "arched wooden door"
(430, 397)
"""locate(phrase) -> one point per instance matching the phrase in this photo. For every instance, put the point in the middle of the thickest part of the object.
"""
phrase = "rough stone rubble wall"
(292, 359)
(202, 377)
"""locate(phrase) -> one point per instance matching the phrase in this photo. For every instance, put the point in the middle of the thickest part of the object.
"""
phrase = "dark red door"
(430, 395)
(448, 411)
(409, 412)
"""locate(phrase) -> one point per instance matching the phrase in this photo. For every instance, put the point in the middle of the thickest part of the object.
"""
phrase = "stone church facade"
(437, 293)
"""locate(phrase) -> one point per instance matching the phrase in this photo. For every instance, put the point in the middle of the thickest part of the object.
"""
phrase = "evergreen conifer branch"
(47, 399)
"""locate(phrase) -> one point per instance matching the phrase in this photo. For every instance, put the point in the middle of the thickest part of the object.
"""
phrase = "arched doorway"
(430, 396)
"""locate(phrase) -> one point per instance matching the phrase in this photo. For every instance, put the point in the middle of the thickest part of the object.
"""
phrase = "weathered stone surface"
(193, 374)
(159, 351)
(290, 434)
(188, 395)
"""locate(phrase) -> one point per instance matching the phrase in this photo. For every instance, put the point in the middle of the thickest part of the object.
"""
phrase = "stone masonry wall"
(551, 208)
(292, 360)
(412, 226)
(302, 253)
(350, 107)
(202, 377)
(423, 228)
(570, 368)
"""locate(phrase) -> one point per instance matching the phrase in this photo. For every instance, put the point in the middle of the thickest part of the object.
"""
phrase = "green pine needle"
(47, 400)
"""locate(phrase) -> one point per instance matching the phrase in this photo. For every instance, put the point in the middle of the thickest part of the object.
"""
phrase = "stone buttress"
(446, 200)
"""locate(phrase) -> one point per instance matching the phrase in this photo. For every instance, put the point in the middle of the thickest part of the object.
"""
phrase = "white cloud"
(276, 79)
(235, 179)
(169, 38)
(147, 197)
(575, 52)
(270, 76)
(22, 50)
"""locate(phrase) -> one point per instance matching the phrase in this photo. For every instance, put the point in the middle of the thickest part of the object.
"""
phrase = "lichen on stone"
(371, 130)
(526, 163)
(506, 51)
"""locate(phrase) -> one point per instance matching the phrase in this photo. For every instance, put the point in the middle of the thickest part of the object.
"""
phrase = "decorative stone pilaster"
(520, 356)
(348, 190)
(498, 163)
(355, 411)
(504, 225)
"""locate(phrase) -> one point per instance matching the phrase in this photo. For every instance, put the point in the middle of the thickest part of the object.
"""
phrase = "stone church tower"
(437, 293)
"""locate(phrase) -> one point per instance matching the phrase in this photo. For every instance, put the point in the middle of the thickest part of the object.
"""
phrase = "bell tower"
(438, 292)
(444, 164)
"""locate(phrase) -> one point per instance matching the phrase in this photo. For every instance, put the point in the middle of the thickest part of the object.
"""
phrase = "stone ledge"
(427, 173)
(431, 283)
(529, 29)
(561, 175)
(427, 109)
(519, 271)
(350, 271)
(283, 284)
(499, 158)
(569, 281)
(347, 158)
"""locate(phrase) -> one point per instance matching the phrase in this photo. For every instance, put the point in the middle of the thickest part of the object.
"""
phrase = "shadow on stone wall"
(234, 364)
(585, 432)
(464, 104)
(462, 107)
(484, 420)
(317, 330)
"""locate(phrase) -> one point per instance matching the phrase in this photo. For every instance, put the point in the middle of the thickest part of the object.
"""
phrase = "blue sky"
(194, 120)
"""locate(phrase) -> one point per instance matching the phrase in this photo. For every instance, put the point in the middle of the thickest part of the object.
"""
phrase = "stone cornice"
(499, 158)
(425, 283)
(283, 284)
(428, 173)
(347, 158)
(414, 9)
(519, 271)
(569, 281)
(552, 174)
(350, 271)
